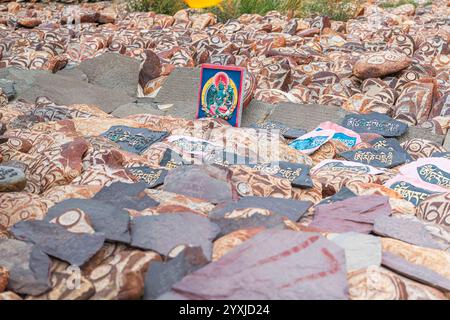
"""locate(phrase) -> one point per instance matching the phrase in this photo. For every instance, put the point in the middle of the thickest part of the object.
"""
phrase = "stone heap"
(94, 206)
(392, 61)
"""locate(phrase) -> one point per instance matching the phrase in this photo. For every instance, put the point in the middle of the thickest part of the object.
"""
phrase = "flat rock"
(113, 222)
(374, 123)
(137, 108)
(56, 241)
(353, 214)
(296, 173)
(342, 194)
(312, 268)
(361, 250)
(12, 179)
(377, 157)
(161, 276)
(28, 267)
(8, 88)
(135, 140)
(391, 144)
(405, 230)
(126, 196)
(196, 182)
(415, 271)
(113, 71)
(162, 233)
(151, 177)
(31, 84)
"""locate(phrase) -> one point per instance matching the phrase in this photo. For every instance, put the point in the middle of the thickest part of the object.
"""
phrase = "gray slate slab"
(113, 71)
(56, 241)
(112, 221)
(28, 266)
(415, 272)
(164, 232)
(160, 276)
(63, 90)
(412, 232)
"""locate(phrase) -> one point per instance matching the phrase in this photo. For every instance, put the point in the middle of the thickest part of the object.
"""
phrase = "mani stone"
(29, 267)
(11, 179)
(113, 222)
(4, 278)
(415, 272)
(164, 232)
(296, 173)
(56, 241)
(161, 276)
(382, 157)
(126, 196)
(412, 232)
(272, 265)
(379, 64)
(135, 140)
(287, 132)
(374, 123)
(390, 144)
(353, 214)
(197, 182)
(151, 177)
(361, 250)
(342, 194)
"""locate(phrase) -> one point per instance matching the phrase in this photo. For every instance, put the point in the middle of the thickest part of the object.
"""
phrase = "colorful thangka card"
(221, 92)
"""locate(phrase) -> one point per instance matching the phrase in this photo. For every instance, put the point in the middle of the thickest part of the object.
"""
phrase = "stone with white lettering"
(151, 177)
(374, 123)
(135, 140)
(381, 157)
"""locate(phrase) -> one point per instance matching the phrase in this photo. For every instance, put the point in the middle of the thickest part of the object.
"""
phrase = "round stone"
(11, 179)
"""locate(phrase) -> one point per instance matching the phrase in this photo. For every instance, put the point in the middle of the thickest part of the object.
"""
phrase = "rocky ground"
(335, 187)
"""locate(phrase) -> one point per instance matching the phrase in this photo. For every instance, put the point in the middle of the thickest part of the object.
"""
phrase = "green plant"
(397, 3)
(159, 6)
(340, 10)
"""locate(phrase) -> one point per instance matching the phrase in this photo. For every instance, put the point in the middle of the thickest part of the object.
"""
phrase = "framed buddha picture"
(221, 93)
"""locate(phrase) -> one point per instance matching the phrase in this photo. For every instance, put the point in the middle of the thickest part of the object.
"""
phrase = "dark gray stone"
(228, 225)
(272, 265)
(415, 272)
(56, 241)
(12, 179)
(390, 144)
(405, 230)
(164, 232)
(375, 123)
(113, 71)
(172, 159)
(151, 177)
(112, 221)
(441, 155)
(296, 173)
(126, 196)
(135, 140)
(8, 88)
(137, 108)
(410, 192)
(198, 182)
(342, 194)
(29, 267)
(381, 157)
(161, 276)
(62, 90)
